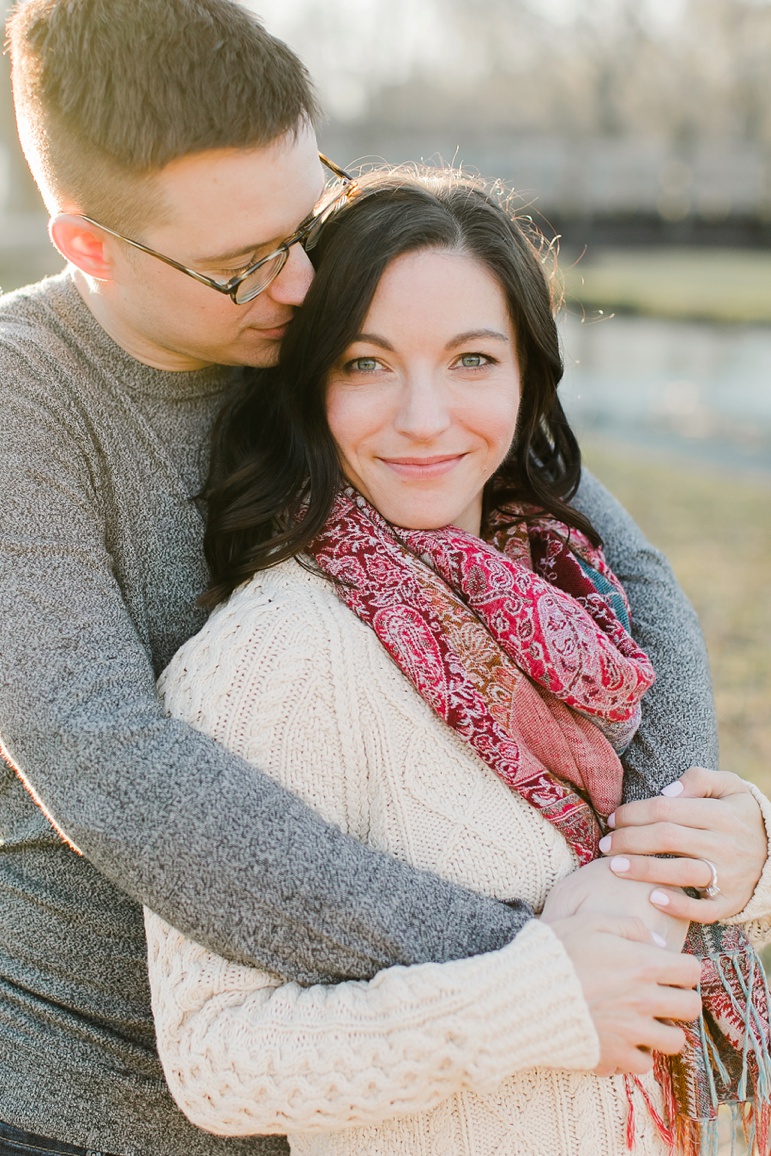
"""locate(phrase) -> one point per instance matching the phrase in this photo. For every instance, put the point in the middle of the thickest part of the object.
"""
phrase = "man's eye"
(226, 274)
(229, 273)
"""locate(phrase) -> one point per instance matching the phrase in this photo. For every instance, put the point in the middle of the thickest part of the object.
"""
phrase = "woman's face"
(423, 404)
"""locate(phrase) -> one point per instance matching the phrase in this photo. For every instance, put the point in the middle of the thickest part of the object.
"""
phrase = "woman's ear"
(82, 244)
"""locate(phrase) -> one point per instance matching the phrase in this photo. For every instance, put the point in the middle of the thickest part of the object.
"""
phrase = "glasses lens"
(261, 278)
(322, 216)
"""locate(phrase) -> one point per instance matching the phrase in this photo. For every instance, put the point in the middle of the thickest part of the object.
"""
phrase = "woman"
(443, 679)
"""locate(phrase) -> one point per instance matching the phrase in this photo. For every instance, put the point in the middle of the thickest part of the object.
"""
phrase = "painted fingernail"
(604, 843)
(673, 790)
(658, 939)
(612, 819)
(619, 863)
(660, 898)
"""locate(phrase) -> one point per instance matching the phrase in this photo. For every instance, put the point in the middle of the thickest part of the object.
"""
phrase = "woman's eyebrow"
(475, 335)
(373, 339)
(459, 339)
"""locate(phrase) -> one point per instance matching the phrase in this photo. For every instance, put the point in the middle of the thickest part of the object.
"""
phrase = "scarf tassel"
(749, 1097)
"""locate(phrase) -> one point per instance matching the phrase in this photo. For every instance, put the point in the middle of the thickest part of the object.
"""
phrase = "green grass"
(716, 530)
(726, 285)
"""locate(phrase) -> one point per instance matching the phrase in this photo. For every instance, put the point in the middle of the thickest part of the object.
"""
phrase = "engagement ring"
(712, 889)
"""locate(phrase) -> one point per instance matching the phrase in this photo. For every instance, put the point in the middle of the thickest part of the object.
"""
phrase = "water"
(699, 391)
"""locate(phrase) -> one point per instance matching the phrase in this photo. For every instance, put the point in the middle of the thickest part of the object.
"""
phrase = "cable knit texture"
(100, 565)
(287, 677)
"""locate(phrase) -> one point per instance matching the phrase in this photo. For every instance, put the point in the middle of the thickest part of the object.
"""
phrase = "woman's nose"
(294, 280)
(424, 412)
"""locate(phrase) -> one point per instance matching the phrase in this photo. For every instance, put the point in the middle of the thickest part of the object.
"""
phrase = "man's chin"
(268, 354)
(259, 353)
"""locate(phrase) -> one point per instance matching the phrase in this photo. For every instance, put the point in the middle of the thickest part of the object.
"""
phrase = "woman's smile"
(424, 467)
(423, 404)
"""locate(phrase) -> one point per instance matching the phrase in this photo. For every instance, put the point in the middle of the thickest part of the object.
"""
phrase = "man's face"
(224, 209)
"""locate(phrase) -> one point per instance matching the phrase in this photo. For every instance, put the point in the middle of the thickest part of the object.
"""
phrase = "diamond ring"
(712, 889)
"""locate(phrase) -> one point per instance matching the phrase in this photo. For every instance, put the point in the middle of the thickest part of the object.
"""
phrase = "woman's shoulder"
(259, 604)
(284, 617)
(293, 581)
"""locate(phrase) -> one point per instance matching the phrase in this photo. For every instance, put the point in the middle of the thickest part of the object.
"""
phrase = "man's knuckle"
(692, 968)
(694, 1006)
(638, 927)
(676, 1040)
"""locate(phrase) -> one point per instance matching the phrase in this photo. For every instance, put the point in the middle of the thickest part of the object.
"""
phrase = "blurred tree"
(19, 189)
(693, 71)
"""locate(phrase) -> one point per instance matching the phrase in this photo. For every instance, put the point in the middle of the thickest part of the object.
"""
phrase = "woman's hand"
(704, 816)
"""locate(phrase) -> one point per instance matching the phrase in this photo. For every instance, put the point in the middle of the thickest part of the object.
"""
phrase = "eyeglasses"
(244, 287)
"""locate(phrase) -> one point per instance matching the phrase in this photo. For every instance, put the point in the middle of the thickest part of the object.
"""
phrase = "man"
(173, 143)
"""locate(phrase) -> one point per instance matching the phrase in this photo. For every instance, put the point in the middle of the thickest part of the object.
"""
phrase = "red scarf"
(521, 644)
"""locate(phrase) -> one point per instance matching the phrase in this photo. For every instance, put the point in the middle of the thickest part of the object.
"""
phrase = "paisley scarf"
(521, 643)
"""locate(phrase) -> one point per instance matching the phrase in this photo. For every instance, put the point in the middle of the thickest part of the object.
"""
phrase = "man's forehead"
(229, 201)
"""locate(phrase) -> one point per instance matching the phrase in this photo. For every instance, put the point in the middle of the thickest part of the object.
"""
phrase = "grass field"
(724, 285)
(716, 530)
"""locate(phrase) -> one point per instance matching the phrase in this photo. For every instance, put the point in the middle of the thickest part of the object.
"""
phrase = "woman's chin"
(435, 520)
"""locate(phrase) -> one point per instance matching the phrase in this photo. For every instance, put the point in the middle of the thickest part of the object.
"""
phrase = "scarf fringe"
(751, 1109)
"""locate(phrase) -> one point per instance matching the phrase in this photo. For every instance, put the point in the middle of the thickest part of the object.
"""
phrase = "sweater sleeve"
(169, 815)
(756, 916)
(244, 1053)
(679, 727)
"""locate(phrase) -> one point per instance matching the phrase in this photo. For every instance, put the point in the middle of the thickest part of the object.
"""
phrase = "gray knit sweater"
(100, 564)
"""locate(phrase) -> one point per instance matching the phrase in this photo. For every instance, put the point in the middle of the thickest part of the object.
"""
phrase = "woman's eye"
(363, 365)
(473, 360)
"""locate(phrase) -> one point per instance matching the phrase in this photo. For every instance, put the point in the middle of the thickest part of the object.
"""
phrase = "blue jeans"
(16, 1142)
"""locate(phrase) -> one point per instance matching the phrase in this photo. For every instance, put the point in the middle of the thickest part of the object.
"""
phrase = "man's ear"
(85, 246)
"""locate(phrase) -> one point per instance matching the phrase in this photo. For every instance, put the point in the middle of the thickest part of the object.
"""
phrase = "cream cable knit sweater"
(469, 1058)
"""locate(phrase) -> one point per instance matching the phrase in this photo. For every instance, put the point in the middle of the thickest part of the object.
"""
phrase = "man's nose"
(294, 280)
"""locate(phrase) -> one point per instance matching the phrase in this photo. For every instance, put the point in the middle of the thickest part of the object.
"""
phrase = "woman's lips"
(416, 467)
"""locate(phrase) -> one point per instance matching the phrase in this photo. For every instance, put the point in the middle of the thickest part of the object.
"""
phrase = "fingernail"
(619, 863)
(660, 898)
(604, 843)
(658, 939)
(612, 819)
(673, 790)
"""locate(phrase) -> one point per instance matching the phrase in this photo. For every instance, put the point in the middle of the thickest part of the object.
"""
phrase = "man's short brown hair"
(108, 92)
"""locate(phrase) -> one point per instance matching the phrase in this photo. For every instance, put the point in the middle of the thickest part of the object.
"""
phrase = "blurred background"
(638, 132)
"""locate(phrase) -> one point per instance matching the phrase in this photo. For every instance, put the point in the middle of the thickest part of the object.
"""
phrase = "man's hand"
(631, 986)
(595, 887)
(704, 817)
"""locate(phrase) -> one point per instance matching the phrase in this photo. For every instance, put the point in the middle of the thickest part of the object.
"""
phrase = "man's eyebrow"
(475, 335)
(243, 251)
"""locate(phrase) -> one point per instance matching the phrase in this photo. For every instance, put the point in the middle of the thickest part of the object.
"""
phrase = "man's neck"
(136, 346)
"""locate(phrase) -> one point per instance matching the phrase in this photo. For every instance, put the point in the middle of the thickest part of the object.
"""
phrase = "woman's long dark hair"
(275, 471)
